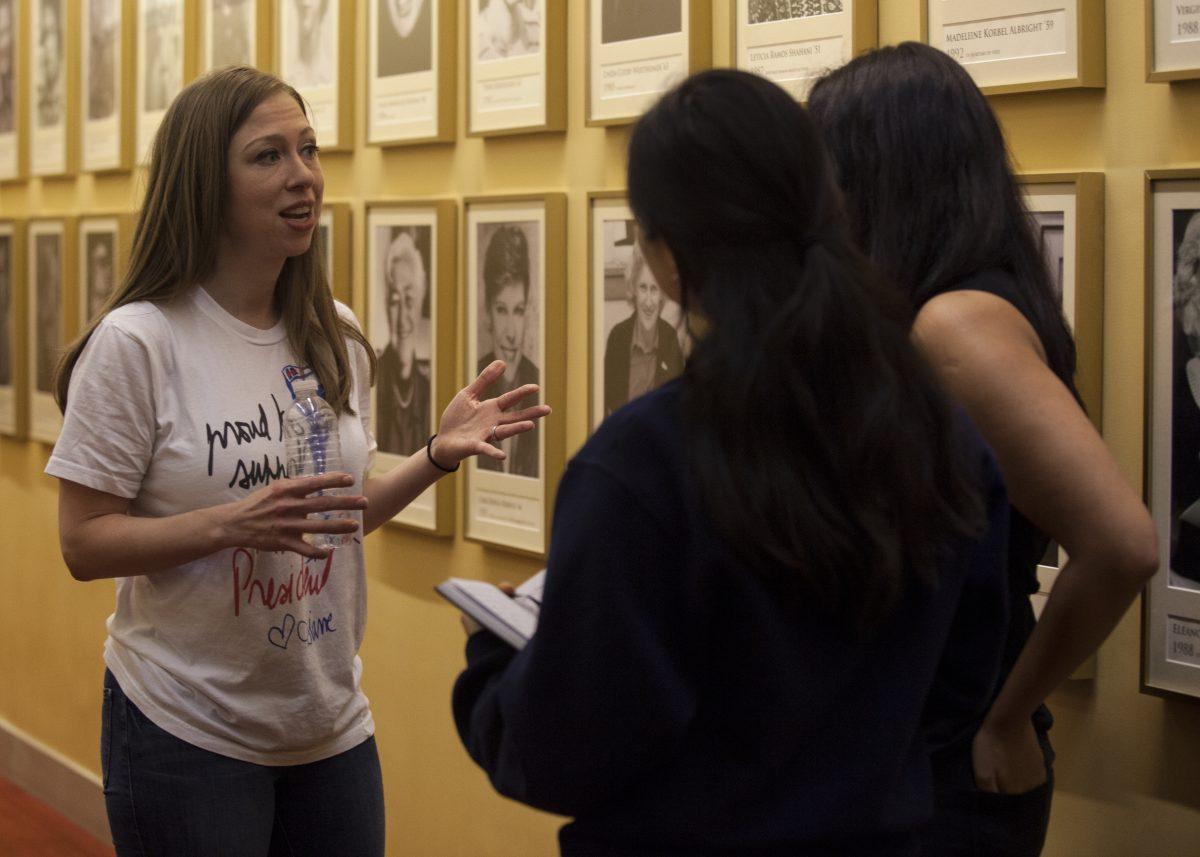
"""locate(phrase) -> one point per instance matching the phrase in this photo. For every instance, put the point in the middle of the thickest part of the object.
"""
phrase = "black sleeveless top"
(1026, 543)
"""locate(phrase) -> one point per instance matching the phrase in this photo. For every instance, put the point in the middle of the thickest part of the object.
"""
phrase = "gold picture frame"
(510, 505)
(1068, 213)
(1165, 62)
(251, 44)
(320, 67)
(415, 241)
(14, 114)
(1044, 67)
(524, 90)
(13, 397)
(413, 105)
(106, 140)
(102, 249)
(53, 126)
(793, 51)
(1170, 656)
(643, 59)
(50, 244)
(337, 251)
(164, 65)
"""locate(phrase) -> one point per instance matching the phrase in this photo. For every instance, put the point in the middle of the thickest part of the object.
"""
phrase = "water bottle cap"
(305, 387)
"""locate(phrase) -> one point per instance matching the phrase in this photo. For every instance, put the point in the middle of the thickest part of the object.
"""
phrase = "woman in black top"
(933, 201)
(760, 572)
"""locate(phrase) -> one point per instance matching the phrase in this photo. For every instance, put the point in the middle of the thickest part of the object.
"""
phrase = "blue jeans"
(169, 798)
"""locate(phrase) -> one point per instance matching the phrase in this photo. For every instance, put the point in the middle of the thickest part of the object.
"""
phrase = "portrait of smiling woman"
(248, 710)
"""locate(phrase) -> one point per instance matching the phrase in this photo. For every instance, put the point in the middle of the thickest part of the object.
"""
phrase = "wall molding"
(57, 781)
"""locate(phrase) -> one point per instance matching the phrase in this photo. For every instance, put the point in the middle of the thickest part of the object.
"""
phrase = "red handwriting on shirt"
(249, 590)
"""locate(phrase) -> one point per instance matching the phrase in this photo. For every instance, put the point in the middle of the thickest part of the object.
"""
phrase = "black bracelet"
(429, 454)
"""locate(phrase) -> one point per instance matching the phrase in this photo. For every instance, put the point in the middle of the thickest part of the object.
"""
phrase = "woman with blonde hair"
(234, 720)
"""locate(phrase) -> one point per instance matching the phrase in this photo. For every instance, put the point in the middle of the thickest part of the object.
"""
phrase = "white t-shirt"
(250, 654)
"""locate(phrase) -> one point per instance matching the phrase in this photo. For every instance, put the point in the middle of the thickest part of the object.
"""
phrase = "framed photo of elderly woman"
(50, 303)
(1172, 40)
(639, 337)
(12, 142)
(102, 253)
(638, 49)
(51, 90)
(793, 42)
(234, 32)
(411, 322)
(107, 87)
(516, 66)
(12, 273)
(515, 284)
(411, 46)
(1171, 601)
(333, 231)
(164, 56)
(1020, 45)
(314, 52)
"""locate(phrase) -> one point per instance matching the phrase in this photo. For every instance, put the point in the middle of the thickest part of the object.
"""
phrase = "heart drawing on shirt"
(281, 634)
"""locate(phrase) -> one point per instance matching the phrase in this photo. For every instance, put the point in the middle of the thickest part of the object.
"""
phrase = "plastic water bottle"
(310, 434)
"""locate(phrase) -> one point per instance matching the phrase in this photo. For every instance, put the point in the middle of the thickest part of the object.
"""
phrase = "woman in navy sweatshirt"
(774, 583)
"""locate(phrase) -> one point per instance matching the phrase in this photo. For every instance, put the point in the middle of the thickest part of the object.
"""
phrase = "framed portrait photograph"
(102, 254)
(410, 81)
(1171, 601)
(160, 65)
(1066, 212)
(638, 49)
(1172, 40)
(333, 232)
(314, 52)
(516, 66)
(793, 42)
(11, 275)
(234, 32)
(1020, 45)
(49, 263)
(106, 86)
(48, 97)
(515, 272)
(11, 151)
(411, 321)
(639, 337)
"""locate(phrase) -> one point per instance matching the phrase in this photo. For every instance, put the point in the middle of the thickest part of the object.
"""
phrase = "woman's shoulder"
(640, 437)
(144, 321)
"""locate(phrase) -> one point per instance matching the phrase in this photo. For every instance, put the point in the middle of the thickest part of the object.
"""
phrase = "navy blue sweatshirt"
(674, 703)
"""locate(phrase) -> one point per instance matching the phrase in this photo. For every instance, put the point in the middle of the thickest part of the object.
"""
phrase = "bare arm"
(1061, 476)
(100, 539)
(464, 430)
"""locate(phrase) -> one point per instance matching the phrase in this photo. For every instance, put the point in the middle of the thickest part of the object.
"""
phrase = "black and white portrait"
(1185, 401)
(102, 58)
(230, 23)
(507, 28)
(623, 20)
(48, 281)
(163, 73)
(643, 329)
(99, 249)
(401, 336)
(308, 48)
(8, 44)
(6, 314)
(508, 329)
(1048, 229)
(50, 64)
(405, 36)
(766, 11)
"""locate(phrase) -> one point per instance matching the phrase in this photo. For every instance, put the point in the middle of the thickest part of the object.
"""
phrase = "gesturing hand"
(467, 423)
(276, 517)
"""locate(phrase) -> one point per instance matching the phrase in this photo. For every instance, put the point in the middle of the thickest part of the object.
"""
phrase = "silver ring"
(496, 426)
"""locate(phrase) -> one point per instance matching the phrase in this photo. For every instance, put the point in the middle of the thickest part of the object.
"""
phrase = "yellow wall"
(1127, 762)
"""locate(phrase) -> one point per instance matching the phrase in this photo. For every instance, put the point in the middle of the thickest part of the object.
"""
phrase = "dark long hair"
(928, 183)
(824, 451)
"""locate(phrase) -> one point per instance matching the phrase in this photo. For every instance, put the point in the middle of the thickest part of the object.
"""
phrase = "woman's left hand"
(471, 425)
(1007, 762)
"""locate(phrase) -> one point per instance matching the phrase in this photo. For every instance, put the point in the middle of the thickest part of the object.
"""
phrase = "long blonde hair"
(176, 237)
